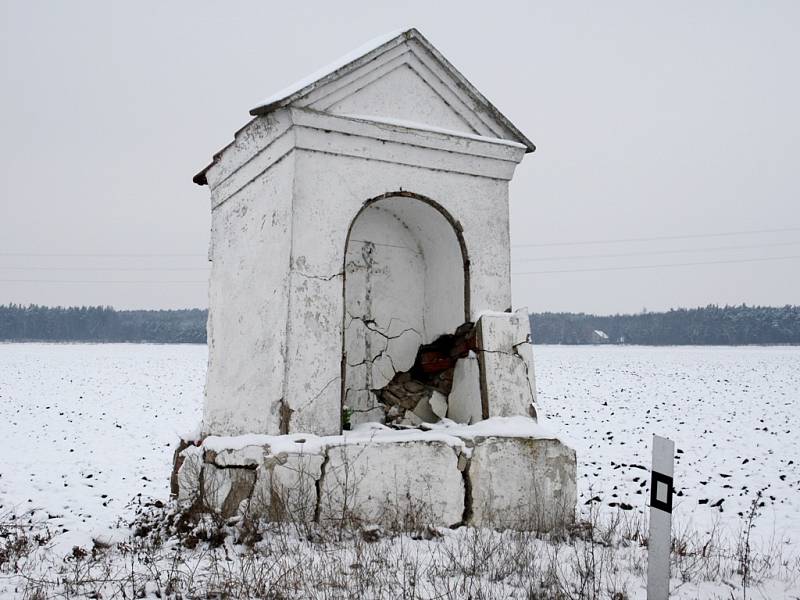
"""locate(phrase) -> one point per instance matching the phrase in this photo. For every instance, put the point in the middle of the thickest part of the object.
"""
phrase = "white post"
(658, 545)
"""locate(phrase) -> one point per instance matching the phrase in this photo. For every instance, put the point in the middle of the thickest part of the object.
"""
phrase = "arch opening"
(406, 288)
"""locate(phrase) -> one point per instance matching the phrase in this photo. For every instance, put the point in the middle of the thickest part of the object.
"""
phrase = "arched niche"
(406, 283)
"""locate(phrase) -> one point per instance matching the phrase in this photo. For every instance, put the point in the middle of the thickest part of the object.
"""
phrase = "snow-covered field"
(734, 413)
(87, 428)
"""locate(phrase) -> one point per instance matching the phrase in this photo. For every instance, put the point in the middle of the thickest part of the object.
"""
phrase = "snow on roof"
(369, 51)
(601, 334)
(360, 56)
(298, 87)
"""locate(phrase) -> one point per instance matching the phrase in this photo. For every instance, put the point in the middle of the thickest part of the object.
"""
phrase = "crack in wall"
(532, 408)
(368, 322)
(484, 391)
(318, 277)
(466, 516)
(367, 251)
(384, 360)
(350, 267)
(391, 337)
(383, 352)
(318, 485)
(285, 412)
(318, 394)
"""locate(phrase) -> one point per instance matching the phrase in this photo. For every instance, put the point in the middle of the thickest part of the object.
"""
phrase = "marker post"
(658, 545)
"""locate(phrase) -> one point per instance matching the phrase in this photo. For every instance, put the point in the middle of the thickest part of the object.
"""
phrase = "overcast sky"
(674, 120)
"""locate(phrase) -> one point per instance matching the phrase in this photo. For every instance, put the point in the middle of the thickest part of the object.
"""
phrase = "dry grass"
(191, 554)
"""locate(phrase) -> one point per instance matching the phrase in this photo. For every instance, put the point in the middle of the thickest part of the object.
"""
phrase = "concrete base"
(503, 472)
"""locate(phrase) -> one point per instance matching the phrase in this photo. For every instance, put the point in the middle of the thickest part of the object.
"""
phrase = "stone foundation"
(502, 472)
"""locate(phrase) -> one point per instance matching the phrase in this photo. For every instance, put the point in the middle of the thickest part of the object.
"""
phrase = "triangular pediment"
(402, 94)
(399, 77)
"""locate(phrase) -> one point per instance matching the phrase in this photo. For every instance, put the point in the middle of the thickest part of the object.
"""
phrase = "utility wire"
(106, 255)
(631, 268)
(658, 237)
(579, 243)
(103, 268)
(636, 267)
(94, 281)
(655, 252)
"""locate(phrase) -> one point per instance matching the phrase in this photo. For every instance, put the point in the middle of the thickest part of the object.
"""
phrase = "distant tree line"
(726, 325)
(101, 324)
(711, 325)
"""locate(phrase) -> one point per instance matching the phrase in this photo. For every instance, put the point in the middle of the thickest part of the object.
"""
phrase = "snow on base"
(446, 431)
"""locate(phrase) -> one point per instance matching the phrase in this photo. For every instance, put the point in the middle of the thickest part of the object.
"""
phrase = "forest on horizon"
(710, 325)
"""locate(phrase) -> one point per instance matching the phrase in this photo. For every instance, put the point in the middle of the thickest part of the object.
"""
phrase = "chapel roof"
(361, 57)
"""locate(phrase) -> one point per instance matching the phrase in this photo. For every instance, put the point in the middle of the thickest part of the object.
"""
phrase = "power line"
(103, 268)
(658, 237)
(94, 281)
(105, 255)
(690, 264)
(589, 270)
(655, 252)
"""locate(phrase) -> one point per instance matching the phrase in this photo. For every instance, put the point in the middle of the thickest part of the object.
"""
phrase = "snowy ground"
(734, 414)
(88, 427)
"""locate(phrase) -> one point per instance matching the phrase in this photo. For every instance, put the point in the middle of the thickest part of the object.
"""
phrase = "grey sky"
(651, 120)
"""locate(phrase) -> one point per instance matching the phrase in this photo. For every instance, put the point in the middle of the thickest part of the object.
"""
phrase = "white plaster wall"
(329, 191)
(385, 301)
(312, 391)
(392, 483)
(248, 302)
(507, 364)
(522, 483)
(404, 286)
(443, 260)
(279, 227)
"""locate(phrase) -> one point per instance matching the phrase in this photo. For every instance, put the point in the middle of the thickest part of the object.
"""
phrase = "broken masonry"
(361, 348)
(424, 389)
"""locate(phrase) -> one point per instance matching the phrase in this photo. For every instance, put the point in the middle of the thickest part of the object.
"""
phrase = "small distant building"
(361, 280)
(600, 337)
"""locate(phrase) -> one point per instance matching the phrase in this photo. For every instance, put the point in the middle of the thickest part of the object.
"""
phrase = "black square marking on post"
(655, 479)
